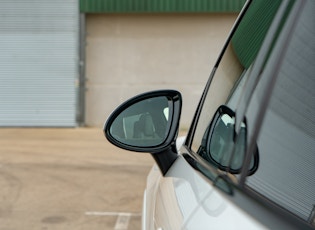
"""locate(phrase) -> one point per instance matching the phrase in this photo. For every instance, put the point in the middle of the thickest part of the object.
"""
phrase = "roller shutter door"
(38, 62)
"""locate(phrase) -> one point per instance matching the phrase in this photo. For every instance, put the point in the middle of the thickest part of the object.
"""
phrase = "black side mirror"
(147, 123)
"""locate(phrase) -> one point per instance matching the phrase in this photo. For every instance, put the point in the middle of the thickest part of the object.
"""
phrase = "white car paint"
(184, 199)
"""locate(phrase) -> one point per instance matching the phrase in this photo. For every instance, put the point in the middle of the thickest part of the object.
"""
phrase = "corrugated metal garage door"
(38, 62)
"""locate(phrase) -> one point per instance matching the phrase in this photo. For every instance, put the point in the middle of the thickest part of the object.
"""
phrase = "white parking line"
(111, 213)
(122, 221)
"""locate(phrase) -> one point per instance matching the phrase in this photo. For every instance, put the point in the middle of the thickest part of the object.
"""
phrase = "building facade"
(70, 63)
(137, 46)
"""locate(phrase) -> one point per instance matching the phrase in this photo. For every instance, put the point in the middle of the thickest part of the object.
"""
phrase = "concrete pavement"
(63, 178)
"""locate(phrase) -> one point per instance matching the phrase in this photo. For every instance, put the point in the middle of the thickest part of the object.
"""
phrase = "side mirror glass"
(146, 123)
(143, 124)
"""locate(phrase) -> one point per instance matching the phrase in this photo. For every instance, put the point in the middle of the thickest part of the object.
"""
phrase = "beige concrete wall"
(130, 54)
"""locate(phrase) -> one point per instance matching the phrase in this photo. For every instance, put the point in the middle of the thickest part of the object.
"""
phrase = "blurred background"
(69, 63)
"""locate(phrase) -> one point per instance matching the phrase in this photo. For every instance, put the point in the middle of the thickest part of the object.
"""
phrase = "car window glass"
(232, 73)
(218, 93)
(286, 172)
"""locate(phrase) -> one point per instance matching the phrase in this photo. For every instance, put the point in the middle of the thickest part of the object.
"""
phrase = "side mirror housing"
(147, 123)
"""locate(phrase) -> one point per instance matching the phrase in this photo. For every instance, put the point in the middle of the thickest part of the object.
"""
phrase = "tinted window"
(286, 172)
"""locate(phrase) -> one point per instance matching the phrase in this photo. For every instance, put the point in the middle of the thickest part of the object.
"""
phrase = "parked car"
(248, 159)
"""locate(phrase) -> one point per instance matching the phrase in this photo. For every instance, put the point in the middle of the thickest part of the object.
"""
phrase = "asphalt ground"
(69, 178)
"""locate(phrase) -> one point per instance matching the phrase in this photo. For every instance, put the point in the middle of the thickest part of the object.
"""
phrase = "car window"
(229, 80)
(286, 142)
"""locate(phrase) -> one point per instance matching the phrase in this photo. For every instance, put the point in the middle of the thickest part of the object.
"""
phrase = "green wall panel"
(252, 30)
(160, 6)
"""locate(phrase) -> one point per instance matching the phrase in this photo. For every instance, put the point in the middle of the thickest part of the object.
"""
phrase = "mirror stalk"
(165, 159)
